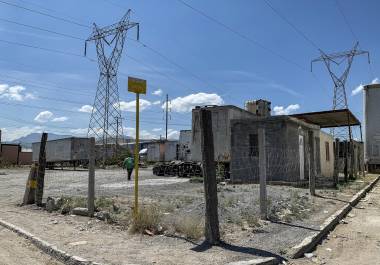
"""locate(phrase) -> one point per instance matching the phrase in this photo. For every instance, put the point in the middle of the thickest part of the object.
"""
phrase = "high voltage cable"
(73, 37)
(303, 35)
(355, 37)
(46, 14)
(43, 86)
(141, 43)
(172, 62)
(44, 49)
(42, 29)
(50, 10)
(77, 112)
(346, 20)
(243, 36)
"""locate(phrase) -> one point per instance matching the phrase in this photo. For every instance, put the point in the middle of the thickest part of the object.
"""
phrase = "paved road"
(356, 240)
(15, 250)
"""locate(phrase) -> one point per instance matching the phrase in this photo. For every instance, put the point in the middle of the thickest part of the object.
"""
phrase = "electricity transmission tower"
(106, 122)
(340, 95)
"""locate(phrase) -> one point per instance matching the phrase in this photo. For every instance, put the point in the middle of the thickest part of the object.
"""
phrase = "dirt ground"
(17, 250)
(295, 215)
(356, 240)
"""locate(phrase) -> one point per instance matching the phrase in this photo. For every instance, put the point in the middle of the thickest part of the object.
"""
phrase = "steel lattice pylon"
(340, 96)
(106, 122)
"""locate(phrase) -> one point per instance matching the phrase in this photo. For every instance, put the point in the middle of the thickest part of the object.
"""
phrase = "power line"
(48, 87)
(44, 49)
(77, 112)
(77, 55)
(52, 10)
(78, 38)
(42, 29)
(355, 37)
(166, 58)
(243, 36)
(303, 35)
(46, 14)
(346, 21)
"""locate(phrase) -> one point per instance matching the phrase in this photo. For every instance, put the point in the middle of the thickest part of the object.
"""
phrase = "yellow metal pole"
(136, 210)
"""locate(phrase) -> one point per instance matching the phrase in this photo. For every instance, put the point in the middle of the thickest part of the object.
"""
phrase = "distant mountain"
(26, 141)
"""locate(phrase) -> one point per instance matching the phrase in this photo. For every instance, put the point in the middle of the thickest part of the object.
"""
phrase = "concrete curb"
(48, 248)
(329, 224)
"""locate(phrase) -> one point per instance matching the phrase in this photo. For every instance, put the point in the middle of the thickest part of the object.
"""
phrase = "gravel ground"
(297, 215)
(356, 240)
(16, 250)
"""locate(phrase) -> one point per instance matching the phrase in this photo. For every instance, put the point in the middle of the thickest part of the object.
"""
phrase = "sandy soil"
(15, 250)
(357, 241)
(112, 244)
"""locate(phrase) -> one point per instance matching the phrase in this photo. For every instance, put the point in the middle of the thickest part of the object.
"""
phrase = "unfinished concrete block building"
(288, 143)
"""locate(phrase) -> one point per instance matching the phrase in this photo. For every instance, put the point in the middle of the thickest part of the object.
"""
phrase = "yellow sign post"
(137, 86)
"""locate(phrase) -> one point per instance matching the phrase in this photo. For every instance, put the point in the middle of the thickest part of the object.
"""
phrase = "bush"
(118, 159)
(68, 203)
(148, 218)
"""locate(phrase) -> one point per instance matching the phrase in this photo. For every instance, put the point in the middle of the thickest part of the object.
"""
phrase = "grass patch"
(196, 179)
(66, 204)
(148, 218)
(251, 218)
(189, 226)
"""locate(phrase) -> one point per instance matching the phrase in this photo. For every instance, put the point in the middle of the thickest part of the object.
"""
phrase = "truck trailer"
(372, 127)
(72, 151)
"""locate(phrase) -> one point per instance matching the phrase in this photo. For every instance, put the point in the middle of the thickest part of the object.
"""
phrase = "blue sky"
(213, 61)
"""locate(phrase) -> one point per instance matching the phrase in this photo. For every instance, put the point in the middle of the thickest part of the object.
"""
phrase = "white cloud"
(10, 134)
(173, 134)
(16, 93)
(157, 92)
(357, 90)
(86, 109)
(375, 81)
(43, 116)
(131, 105)
(187, 103)
(144, 134)
(60, 119)
(157, 102)
(281, 110)
(360, 87)
(79, 131)
(157, 129)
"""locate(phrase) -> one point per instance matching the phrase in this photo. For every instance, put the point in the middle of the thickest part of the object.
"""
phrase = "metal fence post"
(263, 174)
(91, 178)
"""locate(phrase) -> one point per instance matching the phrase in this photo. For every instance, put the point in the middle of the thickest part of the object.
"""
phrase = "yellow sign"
(136, 85)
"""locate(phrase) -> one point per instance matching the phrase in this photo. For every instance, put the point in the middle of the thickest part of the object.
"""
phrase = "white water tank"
(372, 127)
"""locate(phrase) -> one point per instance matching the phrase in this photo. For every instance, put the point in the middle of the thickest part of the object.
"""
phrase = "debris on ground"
(78, 243)
(309, 255)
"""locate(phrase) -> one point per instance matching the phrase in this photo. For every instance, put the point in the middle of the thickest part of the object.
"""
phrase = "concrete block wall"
(282, 148)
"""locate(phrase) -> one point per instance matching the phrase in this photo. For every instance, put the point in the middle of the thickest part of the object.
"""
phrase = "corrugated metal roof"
(330, 118)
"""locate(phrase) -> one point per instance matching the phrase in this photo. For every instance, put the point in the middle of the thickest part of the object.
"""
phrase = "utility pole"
(166, 116)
